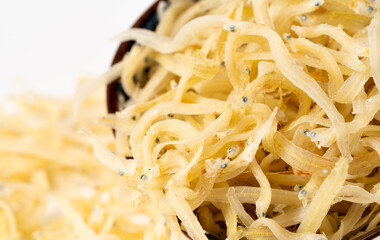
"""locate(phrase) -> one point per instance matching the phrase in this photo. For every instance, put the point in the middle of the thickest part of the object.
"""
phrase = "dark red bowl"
(116, 94)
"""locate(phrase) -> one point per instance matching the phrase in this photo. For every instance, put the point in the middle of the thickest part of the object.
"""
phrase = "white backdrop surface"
(47, 45)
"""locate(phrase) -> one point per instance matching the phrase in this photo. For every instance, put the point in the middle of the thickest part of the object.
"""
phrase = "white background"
(47, 45)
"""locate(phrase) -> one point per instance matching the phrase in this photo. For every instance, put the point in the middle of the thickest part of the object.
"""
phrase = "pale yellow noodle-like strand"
(91, 86)
(260, 11)
(209, 151)
(283, 21)
(348, 60)
(238, 207)
(308, 191)
(310, 61)
(180, 176)
(348, 43)
(336, 78)
(238, 16)
(363, 164)
(374, 221)
(123, 125)
(218, 125)
(164, 44)
(264, 200)
(357, 194)
(182, 159)
(300, 79)
(365, 220)
(199, 8)
(136, 109)
(170, 15)
(326, 227)
(260, 232)
(282, 233)
(229, 216)
(352, 86)
(206, 183)
(158, 80)
(173, 128)
(176, 233)
(167, 166)
(234, 41)
(299, 158)
(181, 88)
(290, 217)
(81, 229)
(106, 157)
(176, 64)
(374, 48)
(362, 120)
(186, 215)
(251, 194)
(347, 223)
(163, 109)
(276, 80)
(321, 202)
(235, 168)
(307, 119)
(358, 104)
(9, 230)
(132, 63)
(288, 179)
